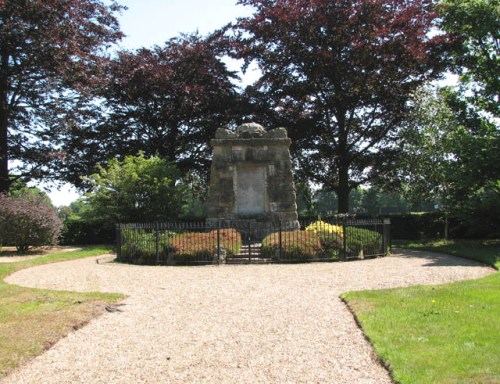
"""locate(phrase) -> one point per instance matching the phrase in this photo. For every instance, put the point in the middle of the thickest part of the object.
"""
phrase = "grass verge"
(437, 334)
(32, 320)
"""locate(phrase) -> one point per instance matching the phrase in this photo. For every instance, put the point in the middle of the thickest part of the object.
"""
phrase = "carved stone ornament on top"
(249, 131)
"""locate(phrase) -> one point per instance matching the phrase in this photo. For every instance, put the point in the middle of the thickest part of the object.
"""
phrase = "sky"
(152, 22)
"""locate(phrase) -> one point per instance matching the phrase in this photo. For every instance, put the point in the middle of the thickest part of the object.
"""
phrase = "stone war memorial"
(251, 214)
(251, 178)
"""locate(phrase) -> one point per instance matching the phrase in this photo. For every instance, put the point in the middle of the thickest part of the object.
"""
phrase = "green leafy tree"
(450, 152)
(305, 199)
(137, 189)
(371, 201)
(325, 202)
(197, 191)
(476, 24)
(377, 201)
(64, 212)
(20, 189)
(426, 164)
(51, 56)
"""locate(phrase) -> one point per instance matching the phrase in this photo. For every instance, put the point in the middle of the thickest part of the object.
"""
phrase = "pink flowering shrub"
(28, 221)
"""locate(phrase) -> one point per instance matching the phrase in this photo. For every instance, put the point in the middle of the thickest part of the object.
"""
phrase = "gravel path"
(226, 324)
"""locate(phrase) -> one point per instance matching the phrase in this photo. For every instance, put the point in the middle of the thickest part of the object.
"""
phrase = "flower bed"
(201, 247)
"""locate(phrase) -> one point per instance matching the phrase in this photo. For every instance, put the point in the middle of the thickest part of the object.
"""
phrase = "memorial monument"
(251, 177)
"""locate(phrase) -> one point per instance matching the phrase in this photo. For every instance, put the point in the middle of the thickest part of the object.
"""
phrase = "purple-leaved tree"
(339, 74)
(51, 55)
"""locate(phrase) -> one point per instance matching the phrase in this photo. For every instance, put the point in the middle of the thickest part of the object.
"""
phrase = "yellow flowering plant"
(323, 228)
(330, 236)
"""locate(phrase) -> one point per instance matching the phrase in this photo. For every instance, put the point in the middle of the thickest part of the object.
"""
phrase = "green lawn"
(437, 334)
(31, 320)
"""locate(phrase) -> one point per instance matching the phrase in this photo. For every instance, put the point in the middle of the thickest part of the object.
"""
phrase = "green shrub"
(79, 231)
(138, 246)
(295, 246)
(361, 241)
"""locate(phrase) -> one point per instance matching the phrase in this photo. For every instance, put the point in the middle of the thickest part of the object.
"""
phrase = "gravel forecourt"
(226, 324)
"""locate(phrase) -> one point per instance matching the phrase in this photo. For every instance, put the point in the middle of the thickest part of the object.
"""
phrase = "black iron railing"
(251, 242)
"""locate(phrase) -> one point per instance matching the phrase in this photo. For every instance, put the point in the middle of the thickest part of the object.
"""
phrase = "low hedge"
(431, 225)
(360, 241)
(79, 232)
(138, 246)
(295, 246)
(201, 247)
(417, 226)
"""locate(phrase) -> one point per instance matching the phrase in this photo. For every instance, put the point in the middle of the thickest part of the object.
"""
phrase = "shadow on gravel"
(437, 259)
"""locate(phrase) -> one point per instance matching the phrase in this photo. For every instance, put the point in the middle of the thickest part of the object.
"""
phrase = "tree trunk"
(343, 165)
(4, 123)
(4, 153)
(4, 144)
(343, 191)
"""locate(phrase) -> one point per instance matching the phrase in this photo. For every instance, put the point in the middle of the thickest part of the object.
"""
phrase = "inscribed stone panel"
(251, 182)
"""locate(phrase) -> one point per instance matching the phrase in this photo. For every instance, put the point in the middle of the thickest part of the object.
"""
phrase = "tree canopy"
(166, 101)
(339, 75)
(50, 53)
(137, 189)
(452, 153)
(476, 23)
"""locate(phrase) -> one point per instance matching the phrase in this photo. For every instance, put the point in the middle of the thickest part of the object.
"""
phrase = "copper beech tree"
(166, 101)
(340, 75)
(51, 52)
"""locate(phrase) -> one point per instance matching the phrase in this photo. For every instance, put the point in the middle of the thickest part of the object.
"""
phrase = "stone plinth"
(251, 176)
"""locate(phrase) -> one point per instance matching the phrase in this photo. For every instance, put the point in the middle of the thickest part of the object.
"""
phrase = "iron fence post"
(344, 239)
(118, 242)
(249, 242)
(387, 236)
(218, 242)
(157, 243)
(280, 242)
